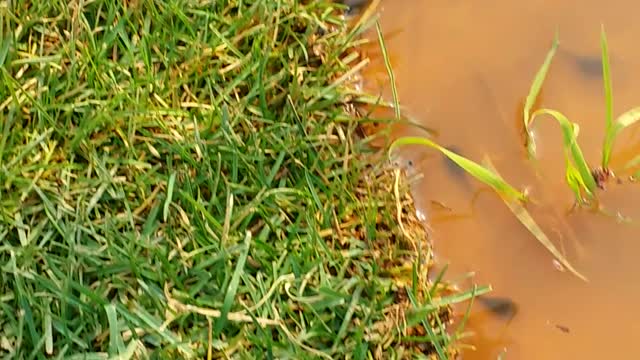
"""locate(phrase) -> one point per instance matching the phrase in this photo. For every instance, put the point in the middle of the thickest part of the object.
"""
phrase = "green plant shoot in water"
(579, 176)
(512, 197)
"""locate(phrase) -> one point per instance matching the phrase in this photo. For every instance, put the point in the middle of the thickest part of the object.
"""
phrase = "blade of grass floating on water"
(534, 91)
(476, 170)
(387, 64)
(525, 218)
(569, 136)
(610, 131)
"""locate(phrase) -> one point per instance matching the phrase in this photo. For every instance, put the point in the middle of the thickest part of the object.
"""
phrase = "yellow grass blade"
(525, 218)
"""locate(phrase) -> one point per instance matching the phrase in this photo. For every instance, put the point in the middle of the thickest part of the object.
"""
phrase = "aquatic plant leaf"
(525, 218)
(610, 130)
(534, 91)
(574, 180)
(623, 121)
(476, 170)
(572, 149)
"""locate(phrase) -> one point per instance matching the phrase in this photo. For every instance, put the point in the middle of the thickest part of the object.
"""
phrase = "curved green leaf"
(476, 170)
(534, 91)
(569, 136)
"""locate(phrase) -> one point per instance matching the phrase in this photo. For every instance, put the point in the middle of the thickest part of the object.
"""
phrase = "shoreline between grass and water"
(185, 180)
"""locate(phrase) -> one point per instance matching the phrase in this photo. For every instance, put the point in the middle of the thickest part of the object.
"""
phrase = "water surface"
(463, 68)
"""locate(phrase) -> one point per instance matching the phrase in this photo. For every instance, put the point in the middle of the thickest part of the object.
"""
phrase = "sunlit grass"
(182, 180)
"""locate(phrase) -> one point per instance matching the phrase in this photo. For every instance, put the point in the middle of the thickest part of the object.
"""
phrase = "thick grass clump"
(182, 180)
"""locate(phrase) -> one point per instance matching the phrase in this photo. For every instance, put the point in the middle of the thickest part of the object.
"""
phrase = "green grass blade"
(229, 297)
(534, 91)
(570, 135)
(416, 315)
(610, 130)
(392, 77)
(116, 344)
(167, 203)
(478, 171)
(129, 352)
(574, 180)
(623, 121)
(525, 218)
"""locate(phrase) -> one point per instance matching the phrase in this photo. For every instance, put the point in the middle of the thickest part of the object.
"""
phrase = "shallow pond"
(463, 69)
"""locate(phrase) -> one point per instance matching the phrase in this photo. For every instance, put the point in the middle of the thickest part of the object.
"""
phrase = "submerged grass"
(182, 180)
(582, 179)
(579, 176)
(513, 198)
(534, 91)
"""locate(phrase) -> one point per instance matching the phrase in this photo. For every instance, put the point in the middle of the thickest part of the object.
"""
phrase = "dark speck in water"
(591, 66)
(564, 329)
(588, 65)
(500, 306)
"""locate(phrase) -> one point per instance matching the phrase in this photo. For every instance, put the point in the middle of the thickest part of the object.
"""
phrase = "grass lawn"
(184, 179)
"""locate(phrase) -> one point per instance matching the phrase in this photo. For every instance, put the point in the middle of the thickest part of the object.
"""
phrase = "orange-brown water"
(463, 68)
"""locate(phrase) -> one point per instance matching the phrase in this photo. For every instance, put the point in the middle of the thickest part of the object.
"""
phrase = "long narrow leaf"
(608, 97)
(478, 171)
(569, 135)
(525, 218)
(229, 297)
(387, 64)
(534, 91)
(622, 122)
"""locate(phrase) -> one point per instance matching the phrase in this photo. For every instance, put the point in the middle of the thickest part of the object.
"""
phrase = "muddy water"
(463, 68)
